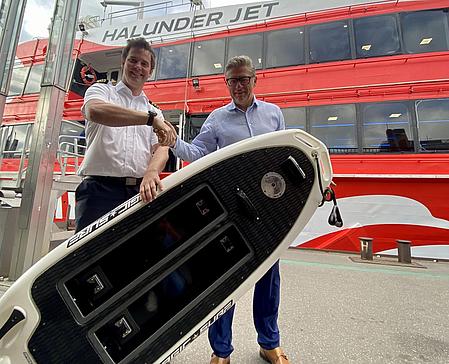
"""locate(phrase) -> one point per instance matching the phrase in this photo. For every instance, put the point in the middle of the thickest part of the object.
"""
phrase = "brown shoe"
(217, 360)
(274, 356)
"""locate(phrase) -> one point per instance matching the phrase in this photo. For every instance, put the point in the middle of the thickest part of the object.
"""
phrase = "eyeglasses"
(233, 81)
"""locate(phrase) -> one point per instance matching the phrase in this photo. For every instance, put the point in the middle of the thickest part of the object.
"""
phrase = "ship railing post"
(404, 251)
(366, 248)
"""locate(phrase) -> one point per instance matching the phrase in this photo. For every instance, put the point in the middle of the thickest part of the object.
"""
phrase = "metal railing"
(71, 150)
(158, 9)
(13, 179)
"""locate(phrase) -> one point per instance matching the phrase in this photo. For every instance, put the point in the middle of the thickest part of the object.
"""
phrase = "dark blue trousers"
(265, 314)
(94, 198)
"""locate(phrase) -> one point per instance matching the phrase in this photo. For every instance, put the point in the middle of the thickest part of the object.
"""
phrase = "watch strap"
(151, 116)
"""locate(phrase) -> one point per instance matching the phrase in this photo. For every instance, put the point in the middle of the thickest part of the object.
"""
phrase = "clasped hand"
(166, 133)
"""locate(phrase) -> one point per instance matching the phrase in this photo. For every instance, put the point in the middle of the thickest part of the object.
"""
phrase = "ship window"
(15, 137)
(386, 127)
(295, 117)
(18, 77)
(208, 57)
(425, 31)
(433, 124)
(334, 125)
(250, 45)
(153, 74)
(194, 124)
(174, 61)
(376, 36)
(329, 42)
(33, 85)
(285, 47)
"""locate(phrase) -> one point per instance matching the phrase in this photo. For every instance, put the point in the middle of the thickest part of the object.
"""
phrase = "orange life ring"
(88, 75)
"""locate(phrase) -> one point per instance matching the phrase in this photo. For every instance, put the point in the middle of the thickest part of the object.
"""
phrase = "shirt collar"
(121, 87)
(232, 106)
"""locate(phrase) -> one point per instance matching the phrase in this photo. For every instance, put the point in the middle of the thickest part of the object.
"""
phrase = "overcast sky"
(38, 13)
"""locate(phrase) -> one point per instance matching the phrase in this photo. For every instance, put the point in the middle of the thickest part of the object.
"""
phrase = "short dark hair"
(139, 43)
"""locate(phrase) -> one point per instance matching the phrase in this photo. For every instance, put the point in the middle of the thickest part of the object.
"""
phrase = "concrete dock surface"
(335, 310)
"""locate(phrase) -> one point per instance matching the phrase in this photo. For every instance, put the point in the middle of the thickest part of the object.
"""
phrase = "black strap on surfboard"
(15, 317)
(328, 194)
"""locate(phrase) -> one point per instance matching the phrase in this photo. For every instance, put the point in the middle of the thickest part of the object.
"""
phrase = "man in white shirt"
(123, 155)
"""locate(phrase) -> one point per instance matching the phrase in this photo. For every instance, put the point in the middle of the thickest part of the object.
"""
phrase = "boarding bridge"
(12, 175)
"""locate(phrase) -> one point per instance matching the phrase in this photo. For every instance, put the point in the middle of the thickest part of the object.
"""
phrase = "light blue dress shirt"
(227, 125)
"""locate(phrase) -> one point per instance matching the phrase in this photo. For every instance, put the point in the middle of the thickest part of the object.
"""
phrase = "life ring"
(88, 75)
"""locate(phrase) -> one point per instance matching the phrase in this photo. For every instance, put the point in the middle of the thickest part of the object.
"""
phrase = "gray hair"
(240, 61)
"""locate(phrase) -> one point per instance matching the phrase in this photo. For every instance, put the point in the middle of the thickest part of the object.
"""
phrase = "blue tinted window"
(285, 47)
(249, 45)
(295, 117)
(329, 42)
(15, 138)
(174, 61)
(18, 78)
(334, 125)
(208, 57)
(425, 31)
(386, 127)
(376, 36)
(33, 85)
(153, 75)
(433, 124)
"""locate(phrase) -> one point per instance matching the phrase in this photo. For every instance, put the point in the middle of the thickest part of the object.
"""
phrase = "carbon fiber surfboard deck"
(143, 281)
(68, 333)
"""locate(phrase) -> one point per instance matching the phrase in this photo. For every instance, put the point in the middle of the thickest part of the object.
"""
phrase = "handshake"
(166, 133)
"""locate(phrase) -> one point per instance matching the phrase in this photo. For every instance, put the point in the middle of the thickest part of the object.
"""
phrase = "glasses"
(233, 81)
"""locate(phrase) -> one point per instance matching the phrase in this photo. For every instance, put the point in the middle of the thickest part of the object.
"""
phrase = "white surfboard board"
(142, 282)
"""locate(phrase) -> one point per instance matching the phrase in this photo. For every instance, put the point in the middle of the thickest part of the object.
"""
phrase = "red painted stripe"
(384, 237)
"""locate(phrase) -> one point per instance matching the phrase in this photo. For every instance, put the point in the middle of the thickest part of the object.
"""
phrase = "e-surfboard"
(142, 282)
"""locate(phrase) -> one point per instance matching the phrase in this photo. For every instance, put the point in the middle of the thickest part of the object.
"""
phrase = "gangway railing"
(157, 9)
(71, 150)
(69, 156)
(14, 179)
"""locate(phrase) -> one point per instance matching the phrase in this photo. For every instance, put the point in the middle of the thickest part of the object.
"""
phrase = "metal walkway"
(334, 310)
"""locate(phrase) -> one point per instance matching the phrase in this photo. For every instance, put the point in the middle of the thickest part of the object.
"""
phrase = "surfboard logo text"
(197, 333)
(103, 220)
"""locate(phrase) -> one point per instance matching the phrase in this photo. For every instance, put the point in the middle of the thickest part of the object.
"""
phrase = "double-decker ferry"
(368, 78)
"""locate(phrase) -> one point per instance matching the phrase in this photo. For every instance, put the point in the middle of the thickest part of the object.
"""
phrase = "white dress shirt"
(117, 151)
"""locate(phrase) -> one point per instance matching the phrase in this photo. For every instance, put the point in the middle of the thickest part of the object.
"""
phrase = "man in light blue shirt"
(243, 118)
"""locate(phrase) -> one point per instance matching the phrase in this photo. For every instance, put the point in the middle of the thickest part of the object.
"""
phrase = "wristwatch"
(151, 116)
